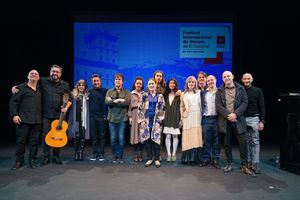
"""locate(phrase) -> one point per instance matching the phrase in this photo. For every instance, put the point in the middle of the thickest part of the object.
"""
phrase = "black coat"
(240, 105)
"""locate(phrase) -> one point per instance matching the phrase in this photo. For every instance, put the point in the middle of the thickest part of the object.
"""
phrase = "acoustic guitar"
(57, 136)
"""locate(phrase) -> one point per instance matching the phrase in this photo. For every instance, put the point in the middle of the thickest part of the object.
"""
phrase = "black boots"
(79, 146)
(78, 155)
(45, 161)
(32, 164)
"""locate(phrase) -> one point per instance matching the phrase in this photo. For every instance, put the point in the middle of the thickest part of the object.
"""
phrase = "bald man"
(26, 113)
(255, 120)
(231, 103)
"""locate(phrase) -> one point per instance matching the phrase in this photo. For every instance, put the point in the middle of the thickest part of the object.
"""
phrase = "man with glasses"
(53, 89)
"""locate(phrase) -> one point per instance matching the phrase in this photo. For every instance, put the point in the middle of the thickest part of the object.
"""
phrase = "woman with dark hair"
(172, 121)
(136, 103)
(160, 82)
(79, 118)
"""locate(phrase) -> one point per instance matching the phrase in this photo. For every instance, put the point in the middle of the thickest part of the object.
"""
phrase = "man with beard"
(53, 89)
(231, 103)
(255, 120)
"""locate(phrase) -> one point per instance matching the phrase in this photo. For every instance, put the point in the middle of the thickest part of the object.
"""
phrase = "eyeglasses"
(55, 71)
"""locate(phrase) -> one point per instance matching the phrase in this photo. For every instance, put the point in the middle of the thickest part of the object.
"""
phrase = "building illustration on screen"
(97, 56)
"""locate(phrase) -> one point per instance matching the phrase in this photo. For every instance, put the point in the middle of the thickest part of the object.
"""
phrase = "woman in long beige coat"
(190, 109)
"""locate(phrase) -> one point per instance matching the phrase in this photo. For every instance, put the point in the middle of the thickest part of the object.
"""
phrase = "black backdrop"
(266, 44)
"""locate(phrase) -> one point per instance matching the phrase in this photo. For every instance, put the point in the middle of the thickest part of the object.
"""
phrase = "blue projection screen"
(139, 49)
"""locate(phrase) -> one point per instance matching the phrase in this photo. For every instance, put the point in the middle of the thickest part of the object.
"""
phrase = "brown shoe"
(135, 159)
(17, 165)
(140, 159)
(204, 163)
(216, 164)
(247, 171)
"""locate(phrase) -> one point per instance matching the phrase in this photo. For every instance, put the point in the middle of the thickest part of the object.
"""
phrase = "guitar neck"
(61, 118)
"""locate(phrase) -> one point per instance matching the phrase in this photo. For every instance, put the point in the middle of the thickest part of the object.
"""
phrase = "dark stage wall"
(266, 44)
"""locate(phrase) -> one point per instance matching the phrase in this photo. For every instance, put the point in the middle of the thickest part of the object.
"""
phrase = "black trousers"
(27, 132)
(47, 149)
(79, 140)
(98, 135)
(138, 149)
(151, 147)
(241, 138)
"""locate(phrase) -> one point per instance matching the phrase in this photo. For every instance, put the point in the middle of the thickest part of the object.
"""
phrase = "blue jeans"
(252, 138)
(117, 138)
(211, 148)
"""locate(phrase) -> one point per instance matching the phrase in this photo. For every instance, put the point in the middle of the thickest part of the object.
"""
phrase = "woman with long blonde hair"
(79, 118)
(190, 109)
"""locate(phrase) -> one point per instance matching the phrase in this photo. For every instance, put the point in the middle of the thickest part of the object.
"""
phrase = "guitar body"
(57, 137)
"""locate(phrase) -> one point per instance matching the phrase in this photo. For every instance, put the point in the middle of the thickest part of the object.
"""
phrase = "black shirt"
(256, 104)
(27, 104)
(98, 108)
(53, 96)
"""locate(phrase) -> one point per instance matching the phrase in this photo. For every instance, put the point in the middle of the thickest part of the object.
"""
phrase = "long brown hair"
(75, 91)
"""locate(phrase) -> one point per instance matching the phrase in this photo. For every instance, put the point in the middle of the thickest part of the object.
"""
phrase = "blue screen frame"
(141, 48)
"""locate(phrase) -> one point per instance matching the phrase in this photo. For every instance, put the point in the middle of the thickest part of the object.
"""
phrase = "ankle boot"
(76, 155)
(80, 155)
(81, 147)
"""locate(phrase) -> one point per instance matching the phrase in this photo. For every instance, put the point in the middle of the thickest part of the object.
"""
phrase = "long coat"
(73, 125)
(136, 107)
(159, 116)
(240, 105)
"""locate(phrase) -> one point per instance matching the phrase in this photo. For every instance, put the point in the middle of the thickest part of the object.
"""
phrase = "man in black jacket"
(231, 103)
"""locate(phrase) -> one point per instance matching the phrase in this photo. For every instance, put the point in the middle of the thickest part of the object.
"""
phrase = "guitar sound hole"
(53, 138)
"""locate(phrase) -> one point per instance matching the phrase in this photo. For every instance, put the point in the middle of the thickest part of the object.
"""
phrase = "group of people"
(202, 114)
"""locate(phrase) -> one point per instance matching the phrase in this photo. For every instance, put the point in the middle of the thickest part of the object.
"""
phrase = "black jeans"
(138, 149)
(46, 149)
(24, 132)
(241, 138)
(151, 147)
(98, 131)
